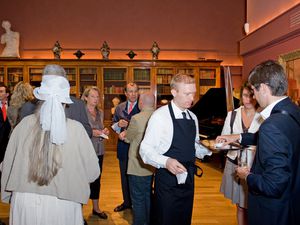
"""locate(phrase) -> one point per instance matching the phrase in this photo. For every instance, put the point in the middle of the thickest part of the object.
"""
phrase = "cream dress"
(35, 209)
(233, 188)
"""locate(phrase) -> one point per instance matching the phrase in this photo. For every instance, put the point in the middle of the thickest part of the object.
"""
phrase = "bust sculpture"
(155, 51)
(105, 50)
(57, 50)
(115, 102)
(11, 39)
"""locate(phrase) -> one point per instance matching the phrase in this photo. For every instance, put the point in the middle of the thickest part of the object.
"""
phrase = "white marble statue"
(11, 39)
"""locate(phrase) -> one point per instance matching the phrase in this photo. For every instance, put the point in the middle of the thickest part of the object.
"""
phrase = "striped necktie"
(130, 107)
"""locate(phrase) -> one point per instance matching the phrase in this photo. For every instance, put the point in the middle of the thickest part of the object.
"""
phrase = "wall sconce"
(246, 28)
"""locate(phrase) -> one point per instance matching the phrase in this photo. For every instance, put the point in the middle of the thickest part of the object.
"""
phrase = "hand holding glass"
(243, 158)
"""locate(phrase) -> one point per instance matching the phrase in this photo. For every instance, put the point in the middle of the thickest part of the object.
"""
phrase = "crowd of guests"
(46, 135)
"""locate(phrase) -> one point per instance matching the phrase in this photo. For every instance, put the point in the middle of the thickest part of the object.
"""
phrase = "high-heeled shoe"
(101, 215)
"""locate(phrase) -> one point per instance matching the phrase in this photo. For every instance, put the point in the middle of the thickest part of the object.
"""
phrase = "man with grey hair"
(139, 173)
(273, 180)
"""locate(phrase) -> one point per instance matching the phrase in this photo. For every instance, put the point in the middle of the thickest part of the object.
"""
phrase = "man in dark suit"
(4, 124)
(122, 116)
(274, 179)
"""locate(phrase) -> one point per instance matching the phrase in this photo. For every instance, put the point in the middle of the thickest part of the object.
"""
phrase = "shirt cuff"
(240, 139)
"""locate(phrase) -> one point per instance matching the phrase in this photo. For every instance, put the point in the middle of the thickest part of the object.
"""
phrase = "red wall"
(279, 36)
(183, 29)
(261, 12)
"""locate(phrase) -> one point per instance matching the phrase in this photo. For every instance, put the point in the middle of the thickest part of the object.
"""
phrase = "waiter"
(170, 144)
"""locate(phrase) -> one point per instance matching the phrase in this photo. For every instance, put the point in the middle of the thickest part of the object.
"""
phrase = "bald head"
(146, 99)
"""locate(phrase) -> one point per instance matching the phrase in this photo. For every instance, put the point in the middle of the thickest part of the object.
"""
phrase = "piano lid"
(211, 111)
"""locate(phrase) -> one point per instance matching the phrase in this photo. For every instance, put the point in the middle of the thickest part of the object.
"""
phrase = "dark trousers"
(95, 186)
(124, 181)
(140, 193)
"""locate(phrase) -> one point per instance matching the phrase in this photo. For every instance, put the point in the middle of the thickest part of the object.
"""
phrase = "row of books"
(113, 90)
(142, 75)
(114, 76)
(164, 71)
(163, 79)
(207, 74)
(88, 71)
(186, 71)
(163, 89)
(90, 77)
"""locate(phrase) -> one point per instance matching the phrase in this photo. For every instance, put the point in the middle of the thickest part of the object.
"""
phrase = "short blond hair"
(181, 78)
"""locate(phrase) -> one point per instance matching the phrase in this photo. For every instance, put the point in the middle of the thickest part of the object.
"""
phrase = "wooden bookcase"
(112, 75)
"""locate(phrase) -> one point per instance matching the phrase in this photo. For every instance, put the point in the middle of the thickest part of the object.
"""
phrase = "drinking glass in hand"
(243, 158)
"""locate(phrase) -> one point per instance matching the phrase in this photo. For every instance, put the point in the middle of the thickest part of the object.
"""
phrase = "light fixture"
(246, 28)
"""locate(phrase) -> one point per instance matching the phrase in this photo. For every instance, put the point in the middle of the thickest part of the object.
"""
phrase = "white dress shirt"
(159, 135)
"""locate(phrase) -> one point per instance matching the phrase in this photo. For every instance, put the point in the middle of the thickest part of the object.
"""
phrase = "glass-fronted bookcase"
(111, 76)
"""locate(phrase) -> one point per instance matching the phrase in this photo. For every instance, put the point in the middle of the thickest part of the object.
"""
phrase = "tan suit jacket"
(134, 136)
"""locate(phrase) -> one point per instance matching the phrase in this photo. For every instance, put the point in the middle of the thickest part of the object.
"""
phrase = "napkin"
(181, 177)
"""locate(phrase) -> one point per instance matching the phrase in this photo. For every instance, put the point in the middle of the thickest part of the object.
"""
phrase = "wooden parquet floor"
(210, 207)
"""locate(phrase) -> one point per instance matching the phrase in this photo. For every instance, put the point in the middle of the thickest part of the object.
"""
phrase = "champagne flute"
(243, 158)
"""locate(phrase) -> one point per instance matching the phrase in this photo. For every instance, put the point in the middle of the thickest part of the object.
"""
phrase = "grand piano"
(211, 111)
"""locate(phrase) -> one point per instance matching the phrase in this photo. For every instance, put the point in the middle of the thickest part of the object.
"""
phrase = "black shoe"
(101, 215)
(84, 221)
(121, 207)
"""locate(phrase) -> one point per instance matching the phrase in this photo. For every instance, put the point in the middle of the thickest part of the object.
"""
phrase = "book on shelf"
(71, 77)
(164, 71)
(36, 71)
(70, 71)
(186, 71)
(142, 74)
(207, 74)
(88, 71)
(114, 90)
(88, 77)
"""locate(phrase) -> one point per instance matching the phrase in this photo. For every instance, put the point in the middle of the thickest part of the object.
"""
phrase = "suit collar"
(268, 110)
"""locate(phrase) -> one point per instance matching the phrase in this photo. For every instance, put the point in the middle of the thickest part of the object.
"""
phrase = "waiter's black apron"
(173, 201)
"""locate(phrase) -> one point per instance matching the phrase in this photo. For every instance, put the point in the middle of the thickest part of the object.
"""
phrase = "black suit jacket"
(4, 135)
(274, 182)
(121, 113)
